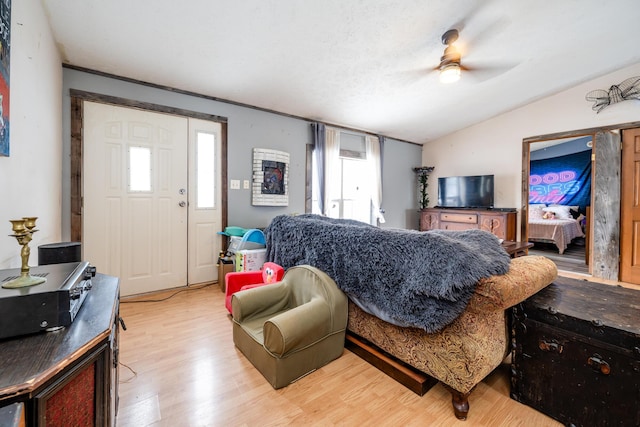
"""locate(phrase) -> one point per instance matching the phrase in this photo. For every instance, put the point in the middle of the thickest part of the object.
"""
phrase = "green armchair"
(293, 327)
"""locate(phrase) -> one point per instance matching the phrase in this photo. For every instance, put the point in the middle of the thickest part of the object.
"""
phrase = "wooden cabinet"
(501, 222)
(68, 376)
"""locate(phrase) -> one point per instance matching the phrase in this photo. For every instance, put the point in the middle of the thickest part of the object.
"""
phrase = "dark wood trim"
(226, 101)
(76, 169)
(524, 201)
(147, 106)
(77, 102)
(414, 380)
(582, 132)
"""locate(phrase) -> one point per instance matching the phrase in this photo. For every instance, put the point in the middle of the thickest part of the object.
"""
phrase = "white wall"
(495, 146)
(31, 175)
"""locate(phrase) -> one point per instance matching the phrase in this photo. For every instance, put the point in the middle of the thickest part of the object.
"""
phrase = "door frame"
(77, 102)
(611, 262)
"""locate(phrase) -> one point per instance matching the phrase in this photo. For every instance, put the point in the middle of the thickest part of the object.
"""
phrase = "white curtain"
(331, 168)
(375, 166)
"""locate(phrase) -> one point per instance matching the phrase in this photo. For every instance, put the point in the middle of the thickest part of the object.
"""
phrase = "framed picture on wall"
(5, 49)
(270, 177)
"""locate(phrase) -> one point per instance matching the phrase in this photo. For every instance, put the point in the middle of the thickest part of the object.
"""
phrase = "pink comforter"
(559, 231)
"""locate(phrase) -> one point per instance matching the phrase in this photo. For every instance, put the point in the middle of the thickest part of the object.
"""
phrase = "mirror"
(557, 199)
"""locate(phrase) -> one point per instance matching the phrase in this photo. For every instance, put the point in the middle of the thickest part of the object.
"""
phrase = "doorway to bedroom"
(612, 239)
(560, 200)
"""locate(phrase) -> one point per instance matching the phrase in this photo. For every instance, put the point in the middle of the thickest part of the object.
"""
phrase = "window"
(350, 186)
(139, 169)
(205, 170)
(354, 200)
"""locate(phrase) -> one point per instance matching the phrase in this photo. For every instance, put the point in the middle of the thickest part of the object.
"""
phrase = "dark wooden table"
(36, 367)
(516, 249)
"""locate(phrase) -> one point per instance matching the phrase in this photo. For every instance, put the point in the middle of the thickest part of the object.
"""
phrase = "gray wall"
(248, 128)
(400, 185)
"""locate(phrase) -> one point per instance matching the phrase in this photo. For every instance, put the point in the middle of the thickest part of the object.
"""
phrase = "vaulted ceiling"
(361, 64)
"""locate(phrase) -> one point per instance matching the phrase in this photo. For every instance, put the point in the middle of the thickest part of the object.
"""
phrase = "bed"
(549, 224)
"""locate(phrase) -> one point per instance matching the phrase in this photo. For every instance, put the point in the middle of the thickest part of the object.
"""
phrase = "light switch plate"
(235, 184)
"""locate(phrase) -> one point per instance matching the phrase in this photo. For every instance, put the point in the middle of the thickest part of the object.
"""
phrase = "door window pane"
(139, 169)
(205, 170)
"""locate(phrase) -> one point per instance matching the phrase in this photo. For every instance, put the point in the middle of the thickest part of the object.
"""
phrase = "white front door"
(205, 213)
(135, 196)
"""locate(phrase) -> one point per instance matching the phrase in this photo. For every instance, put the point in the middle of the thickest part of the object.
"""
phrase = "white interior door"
(204, 200)
(135, 196)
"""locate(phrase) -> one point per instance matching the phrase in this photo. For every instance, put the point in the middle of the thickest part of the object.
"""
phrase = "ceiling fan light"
(450, 73)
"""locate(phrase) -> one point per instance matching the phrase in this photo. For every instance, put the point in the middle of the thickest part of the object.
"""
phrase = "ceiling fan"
(450, 67)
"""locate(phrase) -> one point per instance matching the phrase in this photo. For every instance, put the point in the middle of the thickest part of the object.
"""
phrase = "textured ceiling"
(356, 63)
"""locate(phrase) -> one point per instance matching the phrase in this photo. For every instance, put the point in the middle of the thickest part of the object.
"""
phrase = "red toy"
(242, 280)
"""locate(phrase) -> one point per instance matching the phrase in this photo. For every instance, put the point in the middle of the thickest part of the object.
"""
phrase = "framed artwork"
(270, 178)
(5, 49)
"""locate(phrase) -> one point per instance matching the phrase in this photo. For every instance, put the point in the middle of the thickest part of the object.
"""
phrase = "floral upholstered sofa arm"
(527, 275)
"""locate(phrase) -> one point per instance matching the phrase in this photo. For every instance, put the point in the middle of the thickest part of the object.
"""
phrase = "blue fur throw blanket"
(405, 277)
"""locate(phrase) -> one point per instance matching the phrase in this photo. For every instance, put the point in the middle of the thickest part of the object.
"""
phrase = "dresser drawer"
(457, 217)
(457, 226)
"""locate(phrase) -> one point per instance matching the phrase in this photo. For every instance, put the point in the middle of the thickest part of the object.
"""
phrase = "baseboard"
(414, 380)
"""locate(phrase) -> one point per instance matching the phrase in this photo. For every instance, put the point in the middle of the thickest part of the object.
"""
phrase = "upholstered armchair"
(234, 282)
(293, 327)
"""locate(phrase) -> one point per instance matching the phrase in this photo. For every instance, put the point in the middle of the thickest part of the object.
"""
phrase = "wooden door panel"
(630, 207)
(205, 219)
(134, 225)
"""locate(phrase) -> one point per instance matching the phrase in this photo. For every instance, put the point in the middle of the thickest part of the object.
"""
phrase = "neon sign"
(552, 187)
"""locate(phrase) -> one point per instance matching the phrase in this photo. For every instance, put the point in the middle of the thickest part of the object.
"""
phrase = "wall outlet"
(234, 184)
(245, 184)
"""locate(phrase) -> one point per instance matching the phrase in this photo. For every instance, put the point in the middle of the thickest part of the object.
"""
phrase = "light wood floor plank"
(189, 373)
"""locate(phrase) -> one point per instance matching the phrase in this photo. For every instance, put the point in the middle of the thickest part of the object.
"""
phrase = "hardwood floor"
(572, 260)
(189, 373)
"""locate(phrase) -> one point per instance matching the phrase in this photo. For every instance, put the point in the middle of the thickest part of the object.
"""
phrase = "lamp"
(450, 73)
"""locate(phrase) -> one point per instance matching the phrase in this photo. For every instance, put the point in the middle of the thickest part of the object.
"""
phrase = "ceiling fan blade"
(481, 73)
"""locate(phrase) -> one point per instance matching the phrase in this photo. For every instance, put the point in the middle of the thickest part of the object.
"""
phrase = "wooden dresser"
(501, 222)
(69, 376)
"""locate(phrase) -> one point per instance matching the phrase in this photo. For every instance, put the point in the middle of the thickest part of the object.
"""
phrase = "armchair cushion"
(285, 332)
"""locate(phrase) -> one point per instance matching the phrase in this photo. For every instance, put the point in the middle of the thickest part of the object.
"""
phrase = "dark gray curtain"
(382, 140)
(319, 138)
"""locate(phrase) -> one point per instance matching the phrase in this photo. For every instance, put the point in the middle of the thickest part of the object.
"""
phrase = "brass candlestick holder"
(23, 230)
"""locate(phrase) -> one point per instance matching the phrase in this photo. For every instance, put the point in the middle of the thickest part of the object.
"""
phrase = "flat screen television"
(465, 191)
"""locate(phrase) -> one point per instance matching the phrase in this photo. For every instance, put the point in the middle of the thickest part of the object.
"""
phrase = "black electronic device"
(50, 305)
(466, 191)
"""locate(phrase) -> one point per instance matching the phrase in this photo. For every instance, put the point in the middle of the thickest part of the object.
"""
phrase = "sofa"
(467, 350)
(465, 335)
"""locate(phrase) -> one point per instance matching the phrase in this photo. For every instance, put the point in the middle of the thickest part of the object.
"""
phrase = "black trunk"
(576, 353)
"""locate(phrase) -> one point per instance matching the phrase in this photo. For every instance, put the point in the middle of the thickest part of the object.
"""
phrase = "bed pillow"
(536, 211)
(561, 212)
